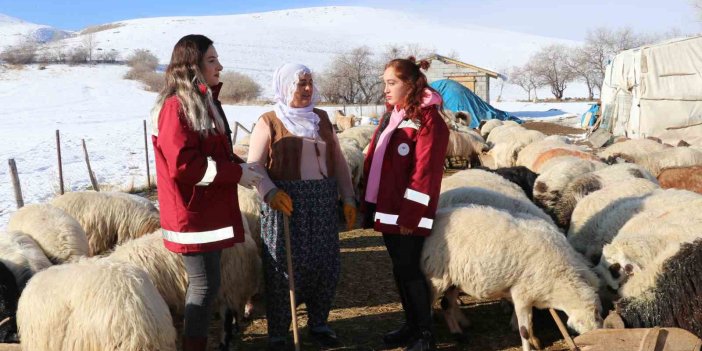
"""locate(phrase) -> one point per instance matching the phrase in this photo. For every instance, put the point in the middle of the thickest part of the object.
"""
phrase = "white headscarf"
(302, 122)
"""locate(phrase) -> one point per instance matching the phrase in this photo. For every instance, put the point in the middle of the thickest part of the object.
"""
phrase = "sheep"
(529, 153)
(467, 144)
(487, 197)
(560, 152)
(557, 173)
(250, 207)
(9, 294)
(588, 183)
(488, 126)
(354, 158)
(94, 305)
(362, 135)
(519, 175)
(461, 253)
(506, 151)
(482, 179)
(241, 272)
(342, 121)
(241, 148)
(502, 132)
(631, 148)
(22, 255)
(645, 236)
(599, 216)
(674, 300)
(109, 218)
(688, 178)
(673, 157)
(59, 235)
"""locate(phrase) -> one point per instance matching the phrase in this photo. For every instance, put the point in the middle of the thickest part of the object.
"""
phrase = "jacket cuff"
(210, 173)
(227, 173)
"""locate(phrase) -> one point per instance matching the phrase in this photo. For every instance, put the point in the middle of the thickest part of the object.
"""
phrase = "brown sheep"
(688, 178)
(553, 153)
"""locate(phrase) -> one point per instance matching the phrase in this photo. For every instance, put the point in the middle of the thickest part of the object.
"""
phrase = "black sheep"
(9, 295)
(676, 299)
(519, 175)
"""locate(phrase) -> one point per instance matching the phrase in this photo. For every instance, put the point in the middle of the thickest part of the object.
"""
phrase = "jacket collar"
(216, 89)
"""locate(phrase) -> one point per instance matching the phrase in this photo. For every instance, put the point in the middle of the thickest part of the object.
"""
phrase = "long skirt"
(314, 241)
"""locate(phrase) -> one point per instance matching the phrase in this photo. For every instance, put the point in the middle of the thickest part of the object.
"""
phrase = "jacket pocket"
(197, 199)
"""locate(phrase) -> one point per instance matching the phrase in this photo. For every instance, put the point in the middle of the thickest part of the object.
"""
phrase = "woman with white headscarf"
(306, 174)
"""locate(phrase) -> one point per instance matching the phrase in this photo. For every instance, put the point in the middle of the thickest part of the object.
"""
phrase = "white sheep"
(250, 207)
(58, 234)
(362, 135)
(558, 172)
(94, 305)
(672, 157)
(529, 153)
(488, 197)
(109, 218)
(502, 133)
(588, 183)
(22, 256)
(506, 151)
(599, 216)
(488, 253)
(489, 125)
(354, 158)
(632, 149)
(482, 179)
(672, 218)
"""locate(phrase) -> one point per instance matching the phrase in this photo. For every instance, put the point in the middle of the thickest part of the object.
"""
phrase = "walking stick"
(291, 280)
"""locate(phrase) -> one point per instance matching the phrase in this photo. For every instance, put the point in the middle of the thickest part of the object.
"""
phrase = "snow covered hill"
(14, 31)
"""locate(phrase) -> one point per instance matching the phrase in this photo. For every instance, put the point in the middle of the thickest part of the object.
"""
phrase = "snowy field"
(94, 103)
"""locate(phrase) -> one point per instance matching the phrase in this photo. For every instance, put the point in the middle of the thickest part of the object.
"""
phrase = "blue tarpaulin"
(459, 98)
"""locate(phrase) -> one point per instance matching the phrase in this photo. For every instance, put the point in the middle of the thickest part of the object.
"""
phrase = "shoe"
(399, 337)
(194, 343)
(326, 338)
(425, 342)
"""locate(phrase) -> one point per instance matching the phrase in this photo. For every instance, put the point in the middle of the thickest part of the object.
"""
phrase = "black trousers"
(405, 252)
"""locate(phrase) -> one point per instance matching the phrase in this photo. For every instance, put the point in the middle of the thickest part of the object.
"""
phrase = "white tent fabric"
(653, 88)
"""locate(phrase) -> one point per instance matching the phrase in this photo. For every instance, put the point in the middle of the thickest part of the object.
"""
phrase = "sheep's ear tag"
(202, 88)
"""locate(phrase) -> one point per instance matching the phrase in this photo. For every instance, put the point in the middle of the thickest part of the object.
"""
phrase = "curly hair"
(409, 72)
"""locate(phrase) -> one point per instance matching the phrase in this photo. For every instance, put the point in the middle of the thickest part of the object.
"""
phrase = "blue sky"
(564, 18)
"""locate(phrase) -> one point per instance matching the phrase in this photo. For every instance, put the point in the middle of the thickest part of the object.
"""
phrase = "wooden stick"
(146, 151)
(291, 280)
(236, 131)
(60, 164)
(16, 183)
(564, 331)
(5, 321)
(90, 170)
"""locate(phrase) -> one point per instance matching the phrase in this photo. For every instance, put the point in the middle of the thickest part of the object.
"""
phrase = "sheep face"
(585, 320)
(616, 271)
(9, 294)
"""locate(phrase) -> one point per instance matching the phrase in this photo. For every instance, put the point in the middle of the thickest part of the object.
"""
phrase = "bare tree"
(602, 44)
(526, 78)
(577, 61)
(90, 44)
(550, 65)
(21, 54)
(392, 52)
(355, 76)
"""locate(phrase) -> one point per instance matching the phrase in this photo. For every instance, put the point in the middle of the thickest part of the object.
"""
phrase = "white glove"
(249, 177)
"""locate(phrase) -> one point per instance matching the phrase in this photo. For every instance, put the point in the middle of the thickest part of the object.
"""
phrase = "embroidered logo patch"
(403, 149)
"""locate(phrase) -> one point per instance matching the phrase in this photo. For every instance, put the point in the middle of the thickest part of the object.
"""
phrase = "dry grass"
(101, 27)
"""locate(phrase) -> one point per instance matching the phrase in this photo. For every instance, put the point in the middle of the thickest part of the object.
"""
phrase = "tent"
(459, 98)
(654, 88)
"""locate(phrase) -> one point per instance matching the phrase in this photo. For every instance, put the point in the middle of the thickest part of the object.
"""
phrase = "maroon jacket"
(411, 174)
(197, 180)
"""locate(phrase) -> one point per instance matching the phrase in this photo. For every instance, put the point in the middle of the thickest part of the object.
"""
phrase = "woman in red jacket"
(197, 175)
(402, 173)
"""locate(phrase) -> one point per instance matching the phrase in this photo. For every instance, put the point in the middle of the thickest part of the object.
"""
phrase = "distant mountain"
(14, 31)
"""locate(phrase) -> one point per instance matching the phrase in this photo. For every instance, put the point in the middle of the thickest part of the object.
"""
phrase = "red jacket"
(411, 174)
(197, 180)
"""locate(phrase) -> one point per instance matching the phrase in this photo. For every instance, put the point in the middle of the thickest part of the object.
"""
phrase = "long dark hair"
(184, 79)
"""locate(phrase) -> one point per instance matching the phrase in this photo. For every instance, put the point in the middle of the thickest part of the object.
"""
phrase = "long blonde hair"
(184, 79)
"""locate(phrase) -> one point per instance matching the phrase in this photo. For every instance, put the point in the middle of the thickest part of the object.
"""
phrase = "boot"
(198, 343)
(406, 332)
(425, 342)
(417, 294)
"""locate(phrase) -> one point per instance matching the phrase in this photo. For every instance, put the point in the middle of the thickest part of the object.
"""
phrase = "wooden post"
(16, 183)
(90, 170)
(564, 330)
(146, 151)
(60, 164)
(291, 280)
(236, 131)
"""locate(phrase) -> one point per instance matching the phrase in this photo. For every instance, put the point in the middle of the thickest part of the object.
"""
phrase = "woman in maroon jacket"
(402, 173)
(197, 175)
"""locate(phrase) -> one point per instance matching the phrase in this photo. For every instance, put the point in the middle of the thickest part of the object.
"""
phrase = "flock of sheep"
(544, 224)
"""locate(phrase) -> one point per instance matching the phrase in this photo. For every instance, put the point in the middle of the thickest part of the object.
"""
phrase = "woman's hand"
(282, 202)
(405, 231)
(249, 177)
(350, 216)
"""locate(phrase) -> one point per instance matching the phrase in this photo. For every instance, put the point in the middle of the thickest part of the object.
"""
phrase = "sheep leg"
(228, 324)
(524, 314)
(449, 316)
(454, 306)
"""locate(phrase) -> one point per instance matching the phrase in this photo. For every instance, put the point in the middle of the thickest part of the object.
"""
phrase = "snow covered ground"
(94, 103)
